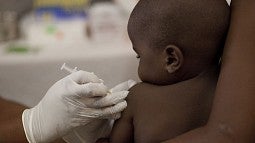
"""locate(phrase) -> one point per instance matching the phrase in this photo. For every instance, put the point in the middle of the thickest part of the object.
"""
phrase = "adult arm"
(11, 129)
(233, 112)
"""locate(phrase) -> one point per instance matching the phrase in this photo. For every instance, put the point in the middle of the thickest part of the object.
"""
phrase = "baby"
(179, 44)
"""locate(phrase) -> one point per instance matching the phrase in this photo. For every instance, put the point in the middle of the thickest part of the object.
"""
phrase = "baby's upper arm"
(123, 129)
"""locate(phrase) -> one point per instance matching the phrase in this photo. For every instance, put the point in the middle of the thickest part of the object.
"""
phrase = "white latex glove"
(64, 107)
(100, 128)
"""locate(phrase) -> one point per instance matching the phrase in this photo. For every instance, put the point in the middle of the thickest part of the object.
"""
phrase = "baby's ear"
(174, 58)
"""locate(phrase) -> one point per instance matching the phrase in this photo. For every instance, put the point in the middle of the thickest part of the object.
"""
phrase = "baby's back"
(163, 112)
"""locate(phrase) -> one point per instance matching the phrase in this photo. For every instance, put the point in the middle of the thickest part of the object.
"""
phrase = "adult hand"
(66, 105)
(100, 128)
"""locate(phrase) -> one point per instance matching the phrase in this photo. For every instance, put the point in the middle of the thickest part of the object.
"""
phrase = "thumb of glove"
(123, 86)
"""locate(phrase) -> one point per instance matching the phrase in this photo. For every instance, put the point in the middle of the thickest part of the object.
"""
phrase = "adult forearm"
(11, 129)
(12, 132)
(233, 110)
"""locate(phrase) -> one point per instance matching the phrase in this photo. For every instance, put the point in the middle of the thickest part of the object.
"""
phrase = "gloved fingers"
(82, 77)
(110, 99)
(114, 109)
(89, 101)
(100, 102)
(102, 113)
(90, 90)
(123, 86)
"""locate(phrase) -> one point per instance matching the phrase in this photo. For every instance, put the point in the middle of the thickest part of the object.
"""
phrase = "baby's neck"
(209, 74)
(211, 71)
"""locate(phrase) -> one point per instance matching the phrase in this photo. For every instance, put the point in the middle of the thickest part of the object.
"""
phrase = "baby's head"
(177, 39)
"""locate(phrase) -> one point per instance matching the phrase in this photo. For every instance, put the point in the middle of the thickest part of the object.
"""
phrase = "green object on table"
(17, 49)
(21, 49)
(51, 29)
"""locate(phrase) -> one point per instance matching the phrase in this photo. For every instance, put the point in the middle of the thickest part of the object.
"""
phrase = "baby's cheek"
(141, 73)
(145, 71)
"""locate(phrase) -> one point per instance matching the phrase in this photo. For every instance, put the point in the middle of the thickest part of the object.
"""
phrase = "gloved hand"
(68, 104)
(100, 128)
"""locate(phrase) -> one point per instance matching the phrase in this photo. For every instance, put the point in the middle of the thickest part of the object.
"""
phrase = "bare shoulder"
(138, 91)
(139, 88)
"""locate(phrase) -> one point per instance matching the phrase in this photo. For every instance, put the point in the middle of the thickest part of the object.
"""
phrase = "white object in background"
(106, 23)
(127, 5)
(53, 34)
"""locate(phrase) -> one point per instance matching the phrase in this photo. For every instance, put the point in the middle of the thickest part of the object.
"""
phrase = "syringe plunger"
(68, 69)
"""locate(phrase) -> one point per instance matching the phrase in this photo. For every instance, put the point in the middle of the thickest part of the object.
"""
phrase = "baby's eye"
(138, 57)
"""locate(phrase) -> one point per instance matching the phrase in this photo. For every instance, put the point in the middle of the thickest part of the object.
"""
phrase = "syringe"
(68, 69)
(71, 70)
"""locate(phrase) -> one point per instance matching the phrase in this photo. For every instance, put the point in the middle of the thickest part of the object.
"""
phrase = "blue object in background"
(60, 13)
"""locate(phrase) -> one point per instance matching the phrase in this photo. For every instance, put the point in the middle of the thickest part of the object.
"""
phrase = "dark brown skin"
(157, 113)
(233, 113)
(11, 128)
(10, 122)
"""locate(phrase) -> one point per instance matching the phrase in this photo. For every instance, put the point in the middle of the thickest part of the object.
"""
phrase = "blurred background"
(46, 22)
(38, 36)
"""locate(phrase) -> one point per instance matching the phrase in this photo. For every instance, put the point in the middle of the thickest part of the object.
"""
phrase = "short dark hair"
(197, 27)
